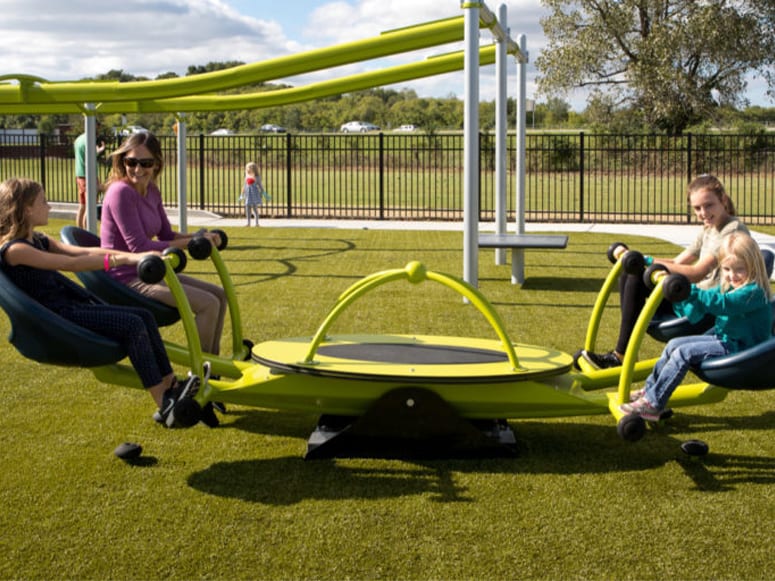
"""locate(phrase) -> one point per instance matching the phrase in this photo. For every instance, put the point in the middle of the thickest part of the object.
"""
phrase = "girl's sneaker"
(643, 408)
(637, 394)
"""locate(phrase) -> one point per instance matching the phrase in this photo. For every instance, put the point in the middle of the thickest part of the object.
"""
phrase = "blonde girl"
(253, 191)
(741, 305)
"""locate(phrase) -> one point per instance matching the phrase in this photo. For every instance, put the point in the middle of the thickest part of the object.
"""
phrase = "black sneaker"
(208, 417)
(181, 391)
(601, 361)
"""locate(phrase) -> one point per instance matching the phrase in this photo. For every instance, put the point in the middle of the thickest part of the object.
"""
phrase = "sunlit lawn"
(239, 502)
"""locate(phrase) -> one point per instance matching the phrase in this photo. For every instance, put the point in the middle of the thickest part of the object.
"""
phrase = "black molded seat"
(749, 369)
(42, 335)
(665, 328)
(111, 291)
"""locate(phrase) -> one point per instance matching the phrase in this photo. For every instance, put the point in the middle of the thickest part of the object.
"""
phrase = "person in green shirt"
(79, 148)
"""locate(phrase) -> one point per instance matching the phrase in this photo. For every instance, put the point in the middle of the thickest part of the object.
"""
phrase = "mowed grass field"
(240, 502)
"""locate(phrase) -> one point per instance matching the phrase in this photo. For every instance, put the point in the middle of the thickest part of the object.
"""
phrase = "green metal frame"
(415, 273)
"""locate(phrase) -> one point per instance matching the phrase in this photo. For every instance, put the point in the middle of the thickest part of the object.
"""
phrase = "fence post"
(201, 171)
(288, 182)
(381, 176)
(581, 176)
(688, 171)
(42, 145)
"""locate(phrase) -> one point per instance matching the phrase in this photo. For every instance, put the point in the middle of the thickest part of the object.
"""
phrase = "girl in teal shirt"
(741, 305)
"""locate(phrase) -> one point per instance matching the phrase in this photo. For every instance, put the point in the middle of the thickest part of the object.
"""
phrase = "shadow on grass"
(720, 473)
(550, 283)
(317, 250)
(545, 448)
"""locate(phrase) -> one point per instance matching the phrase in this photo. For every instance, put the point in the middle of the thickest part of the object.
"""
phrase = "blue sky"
(73, 39)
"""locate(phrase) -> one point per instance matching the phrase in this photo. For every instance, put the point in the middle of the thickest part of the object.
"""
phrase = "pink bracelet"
(106, 262)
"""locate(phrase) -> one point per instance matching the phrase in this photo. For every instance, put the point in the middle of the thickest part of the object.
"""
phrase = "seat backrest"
(769, 259)
(748, 369)
(110, 290)
(42, 335)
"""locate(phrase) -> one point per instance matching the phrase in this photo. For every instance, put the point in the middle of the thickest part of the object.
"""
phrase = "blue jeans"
(679, 355)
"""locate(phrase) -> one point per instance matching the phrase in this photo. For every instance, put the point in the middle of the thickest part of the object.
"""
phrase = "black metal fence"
(575, 177)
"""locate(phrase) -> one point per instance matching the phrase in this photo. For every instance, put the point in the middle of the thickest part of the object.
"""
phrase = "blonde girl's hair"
(744, 248)
(713, 184)
(251, 168)
(16, 196)
(134, 141)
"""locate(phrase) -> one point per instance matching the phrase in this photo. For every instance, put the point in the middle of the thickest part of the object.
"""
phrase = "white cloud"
(73, 39)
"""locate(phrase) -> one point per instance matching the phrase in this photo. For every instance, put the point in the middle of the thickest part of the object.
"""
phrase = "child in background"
(741, 305)
(253, 191)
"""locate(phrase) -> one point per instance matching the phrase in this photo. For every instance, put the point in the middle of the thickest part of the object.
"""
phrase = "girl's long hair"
(744, 248)
(16, 195)
(713, 184)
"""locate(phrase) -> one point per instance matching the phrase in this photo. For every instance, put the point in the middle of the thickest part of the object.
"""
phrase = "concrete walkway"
(681, 235)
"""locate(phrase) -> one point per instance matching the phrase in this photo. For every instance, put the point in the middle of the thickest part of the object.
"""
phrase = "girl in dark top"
(31, 260)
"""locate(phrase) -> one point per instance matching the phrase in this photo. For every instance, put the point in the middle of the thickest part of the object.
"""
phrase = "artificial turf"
(239, 501)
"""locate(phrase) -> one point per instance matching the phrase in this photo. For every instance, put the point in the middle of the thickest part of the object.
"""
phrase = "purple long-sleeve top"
(133, 223)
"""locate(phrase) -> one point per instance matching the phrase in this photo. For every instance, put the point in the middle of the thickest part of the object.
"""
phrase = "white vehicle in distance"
(222, 132)
(130, 129)
(272, 128)
(358, 127)
(407, 128)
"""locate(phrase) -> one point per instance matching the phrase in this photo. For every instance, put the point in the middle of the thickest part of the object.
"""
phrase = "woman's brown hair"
(134, 141)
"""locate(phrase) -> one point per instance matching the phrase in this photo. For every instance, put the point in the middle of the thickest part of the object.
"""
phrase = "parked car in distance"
(222, 132)
(272, 128)
(130, 129)
(407, 128)
(358, 127)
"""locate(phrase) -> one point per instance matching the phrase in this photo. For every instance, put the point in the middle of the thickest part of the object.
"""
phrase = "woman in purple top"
(134, 220)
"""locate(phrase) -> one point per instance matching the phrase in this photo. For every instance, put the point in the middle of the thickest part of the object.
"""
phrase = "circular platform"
(412, 358)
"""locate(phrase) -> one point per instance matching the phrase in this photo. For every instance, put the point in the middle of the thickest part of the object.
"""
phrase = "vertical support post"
(90, 127)
(288, 176)
(381, 175)
(181, 169)
(518, 254)
(471, 144)
(501, 135)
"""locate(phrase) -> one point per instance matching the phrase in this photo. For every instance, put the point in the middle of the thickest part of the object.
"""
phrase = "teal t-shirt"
(743, 315)
(79, 146)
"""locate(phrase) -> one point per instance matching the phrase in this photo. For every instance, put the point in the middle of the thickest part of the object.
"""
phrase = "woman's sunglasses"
(147, 163)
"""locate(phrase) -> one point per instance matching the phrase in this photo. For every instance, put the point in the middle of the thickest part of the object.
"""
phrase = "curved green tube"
(415, 273)
(390, 75)
(398, 41)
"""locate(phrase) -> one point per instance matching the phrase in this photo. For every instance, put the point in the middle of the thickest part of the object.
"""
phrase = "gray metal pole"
(501, 135)
(90, 127)
(518, 257)
(182, 184)
(471, 145)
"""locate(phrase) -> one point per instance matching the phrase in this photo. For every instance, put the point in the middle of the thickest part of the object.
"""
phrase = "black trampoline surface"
(413, 353)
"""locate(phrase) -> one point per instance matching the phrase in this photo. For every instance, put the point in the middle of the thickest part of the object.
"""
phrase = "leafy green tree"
(674, 60)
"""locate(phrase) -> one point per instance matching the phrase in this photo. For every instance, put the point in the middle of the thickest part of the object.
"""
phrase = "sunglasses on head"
(147, 163)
